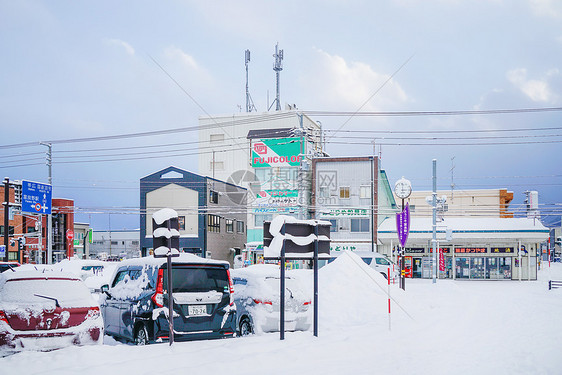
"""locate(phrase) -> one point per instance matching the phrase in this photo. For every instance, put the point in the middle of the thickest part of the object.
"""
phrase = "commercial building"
(27, 240)
(268, 153)
(212, 213)
(491, 248)
(115, 244)
(82, 240)
(354, 195)
(463, 203)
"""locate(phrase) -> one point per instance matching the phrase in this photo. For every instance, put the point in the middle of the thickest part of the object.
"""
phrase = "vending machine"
(408, 267)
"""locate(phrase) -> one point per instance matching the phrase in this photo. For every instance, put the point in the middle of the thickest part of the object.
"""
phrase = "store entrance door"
(417, 268)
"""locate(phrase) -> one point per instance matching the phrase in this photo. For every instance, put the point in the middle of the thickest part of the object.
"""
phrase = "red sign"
(441, 260)
(69, 235)
(260, 148)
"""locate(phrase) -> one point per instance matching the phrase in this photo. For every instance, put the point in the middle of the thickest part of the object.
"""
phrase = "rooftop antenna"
(249, 102)
(452, 178)
(277, 67)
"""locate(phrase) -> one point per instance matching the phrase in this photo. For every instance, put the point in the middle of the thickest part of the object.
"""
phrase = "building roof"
(271, 133)
(468, 224)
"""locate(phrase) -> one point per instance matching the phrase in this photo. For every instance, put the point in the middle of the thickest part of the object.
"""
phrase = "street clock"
(403, 188)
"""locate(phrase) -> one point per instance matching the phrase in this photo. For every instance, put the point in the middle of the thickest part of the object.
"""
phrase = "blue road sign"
(36, 197)
(2, 250)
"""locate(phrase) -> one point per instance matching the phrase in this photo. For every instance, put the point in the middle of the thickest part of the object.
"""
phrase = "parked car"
(5, 266)
(257, 298)
(46, 311)
(377, 262)
(135, 305)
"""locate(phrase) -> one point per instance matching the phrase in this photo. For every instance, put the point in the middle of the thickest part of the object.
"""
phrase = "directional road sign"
(36, 197)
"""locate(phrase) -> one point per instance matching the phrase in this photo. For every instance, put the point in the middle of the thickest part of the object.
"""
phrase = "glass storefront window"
(477, 268)
(463, 268)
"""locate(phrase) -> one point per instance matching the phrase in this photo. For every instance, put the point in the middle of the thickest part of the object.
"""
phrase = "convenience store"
(469, 248)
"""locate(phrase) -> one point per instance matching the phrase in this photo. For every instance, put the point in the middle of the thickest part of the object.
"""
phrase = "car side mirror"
(105, 289)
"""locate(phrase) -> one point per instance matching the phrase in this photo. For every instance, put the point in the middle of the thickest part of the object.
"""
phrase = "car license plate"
(197, 309)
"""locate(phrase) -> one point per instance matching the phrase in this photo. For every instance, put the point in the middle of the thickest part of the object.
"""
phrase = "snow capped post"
(166, 243)
(288, 238)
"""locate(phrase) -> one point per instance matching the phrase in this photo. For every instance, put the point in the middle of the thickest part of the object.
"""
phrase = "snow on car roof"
(183, 258)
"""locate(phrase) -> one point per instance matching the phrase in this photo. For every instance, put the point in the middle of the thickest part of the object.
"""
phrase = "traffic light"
(21, 242)
(165, 233)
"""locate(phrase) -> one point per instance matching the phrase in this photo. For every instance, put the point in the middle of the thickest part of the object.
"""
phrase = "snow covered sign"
(299, 237)
(165, 233)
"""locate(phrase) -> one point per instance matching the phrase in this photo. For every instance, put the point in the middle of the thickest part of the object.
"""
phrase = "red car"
(46, 311)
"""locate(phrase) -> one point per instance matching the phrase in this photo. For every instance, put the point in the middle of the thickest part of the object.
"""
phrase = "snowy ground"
(460, 327)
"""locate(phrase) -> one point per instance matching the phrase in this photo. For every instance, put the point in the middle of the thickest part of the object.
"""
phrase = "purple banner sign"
(403, 225)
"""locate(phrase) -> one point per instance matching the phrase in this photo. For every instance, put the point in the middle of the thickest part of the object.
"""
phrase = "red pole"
(388, 279)
(548, 252)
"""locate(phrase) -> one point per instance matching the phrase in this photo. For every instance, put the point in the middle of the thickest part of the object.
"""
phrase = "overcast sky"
(92, 69)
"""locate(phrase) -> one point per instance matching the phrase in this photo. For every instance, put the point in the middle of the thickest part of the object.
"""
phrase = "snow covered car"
(5, 266)
(46, 311)
(377, 262)
(135, 305)
(256, 294)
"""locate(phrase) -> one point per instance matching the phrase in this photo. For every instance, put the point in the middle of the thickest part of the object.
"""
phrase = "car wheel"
(141, 335)
(245, 327)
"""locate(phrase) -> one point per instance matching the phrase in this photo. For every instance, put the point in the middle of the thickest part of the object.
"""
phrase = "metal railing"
(554, 284)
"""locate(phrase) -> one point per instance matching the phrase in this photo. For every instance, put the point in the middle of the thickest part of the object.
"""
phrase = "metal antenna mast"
(277, 67)
(249, 102)
(452, 178)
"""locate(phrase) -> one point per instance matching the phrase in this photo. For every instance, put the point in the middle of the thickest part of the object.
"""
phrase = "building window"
(239, 226)
(135, 243)
(229, 225)
(260, 218)
(334, 227)
(114, 242)
(31, 230)
(214, 223)
(217, 166)
(343, 223)
(344, 192)
(181, 222)
(360, 225)
(364, 191)
(213, 197)
(217, 137)
(10, 230)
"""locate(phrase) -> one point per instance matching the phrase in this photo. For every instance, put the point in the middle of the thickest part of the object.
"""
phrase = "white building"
(354, 195)
(267, 153)
(115, 244)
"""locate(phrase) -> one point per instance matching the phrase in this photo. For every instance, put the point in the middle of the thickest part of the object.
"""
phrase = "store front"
(479, 249)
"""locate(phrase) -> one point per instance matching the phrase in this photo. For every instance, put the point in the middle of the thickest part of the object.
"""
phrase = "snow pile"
(351, 293)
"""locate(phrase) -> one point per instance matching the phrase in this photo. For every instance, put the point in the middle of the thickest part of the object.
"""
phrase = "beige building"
(461, 203)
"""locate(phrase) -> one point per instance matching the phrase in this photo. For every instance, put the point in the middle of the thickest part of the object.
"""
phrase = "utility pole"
(6, 216)
(434, 239)
(49, 231)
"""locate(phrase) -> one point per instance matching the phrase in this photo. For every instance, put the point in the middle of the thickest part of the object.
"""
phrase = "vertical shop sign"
(441, 261)
(403, 225)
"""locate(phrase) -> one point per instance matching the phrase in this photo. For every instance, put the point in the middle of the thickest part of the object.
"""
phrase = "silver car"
(256, 295)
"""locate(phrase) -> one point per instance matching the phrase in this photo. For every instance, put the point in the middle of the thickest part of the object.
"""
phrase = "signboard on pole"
(403, 225)
(2, 250)
(36, 197)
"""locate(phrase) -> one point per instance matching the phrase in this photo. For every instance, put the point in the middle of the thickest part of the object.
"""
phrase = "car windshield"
(382, 261)
(67, 292)
(197, 279)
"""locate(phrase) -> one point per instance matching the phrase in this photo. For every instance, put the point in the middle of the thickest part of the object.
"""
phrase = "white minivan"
(379, 263)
